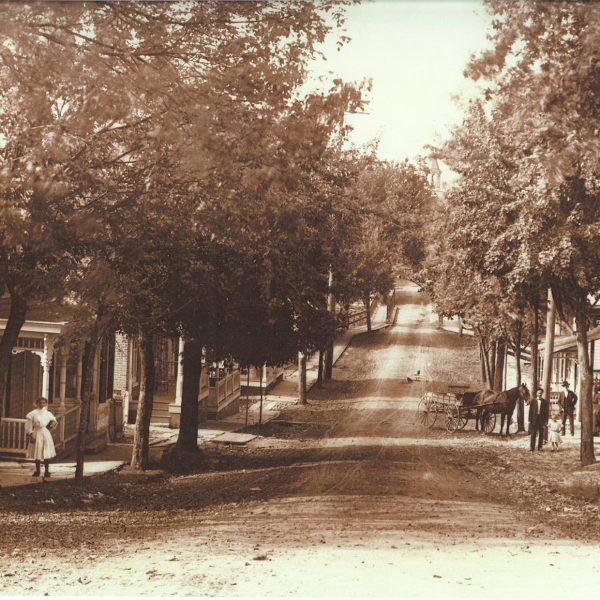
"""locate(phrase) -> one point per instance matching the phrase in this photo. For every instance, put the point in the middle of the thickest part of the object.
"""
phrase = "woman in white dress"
(41, 445)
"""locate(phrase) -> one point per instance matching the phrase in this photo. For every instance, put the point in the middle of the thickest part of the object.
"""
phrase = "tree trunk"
(367, 303)
(499, 365)
(487, 363)
(492, 364)
(484, 379)
(16, 318)
(585, 389)
(520, 403)
(247, 395)
(187, 440)
(391, 305)
(86, 392)
(534, 351)
(141, 436)
(302, 377)
(328, 358)
(260, 407)
(549, 345)
(328, 362)
(319, 382)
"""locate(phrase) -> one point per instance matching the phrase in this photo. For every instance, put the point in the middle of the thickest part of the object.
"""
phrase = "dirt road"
(351, 498)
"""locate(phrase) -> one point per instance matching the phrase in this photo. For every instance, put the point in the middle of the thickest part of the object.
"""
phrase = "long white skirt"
(42, 447)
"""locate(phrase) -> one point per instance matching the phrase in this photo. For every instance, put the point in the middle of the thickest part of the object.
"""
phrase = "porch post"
(175, 407)
(78, 378)
(63, 377)
(46, 364)
(179, 381)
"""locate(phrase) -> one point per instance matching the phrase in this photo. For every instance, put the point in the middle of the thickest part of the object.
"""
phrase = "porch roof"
(567, 343)
(49, 317)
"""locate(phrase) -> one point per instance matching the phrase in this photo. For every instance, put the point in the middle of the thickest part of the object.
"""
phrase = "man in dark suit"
(538, 416)
(567, 400)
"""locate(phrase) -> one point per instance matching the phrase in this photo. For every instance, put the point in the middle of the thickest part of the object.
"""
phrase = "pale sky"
(415, 53)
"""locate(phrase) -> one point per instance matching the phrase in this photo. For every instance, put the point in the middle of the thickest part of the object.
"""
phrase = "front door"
(25, 384)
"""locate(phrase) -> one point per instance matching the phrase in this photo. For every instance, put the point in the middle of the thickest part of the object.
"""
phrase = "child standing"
(554, 427)
(41, 445)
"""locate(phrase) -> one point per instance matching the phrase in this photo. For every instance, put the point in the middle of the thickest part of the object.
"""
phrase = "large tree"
(122, 114)
(543, 76)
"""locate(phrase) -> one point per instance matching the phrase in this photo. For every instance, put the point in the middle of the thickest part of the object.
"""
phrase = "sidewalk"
(286, 391)
(20, 472)
(228, 430)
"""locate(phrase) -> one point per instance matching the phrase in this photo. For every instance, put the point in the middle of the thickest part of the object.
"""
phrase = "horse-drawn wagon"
(455, 404)
(458, 403)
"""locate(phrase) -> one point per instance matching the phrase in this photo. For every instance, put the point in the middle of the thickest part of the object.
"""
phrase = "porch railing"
(223, 391)
(14, 441)
(12, 436)
(70, 424)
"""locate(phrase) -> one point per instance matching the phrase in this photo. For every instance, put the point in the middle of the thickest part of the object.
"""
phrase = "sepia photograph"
(300, 298)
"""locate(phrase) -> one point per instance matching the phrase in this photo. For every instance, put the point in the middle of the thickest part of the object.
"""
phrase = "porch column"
(179, 382)
(63, 377)
(78, 377)
(175, 407)
(94, 389)
(46, 364)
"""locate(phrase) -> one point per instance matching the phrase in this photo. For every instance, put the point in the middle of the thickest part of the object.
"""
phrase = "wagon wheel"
(487, 421)
(453, 420)
(426, 416)
(463, 419)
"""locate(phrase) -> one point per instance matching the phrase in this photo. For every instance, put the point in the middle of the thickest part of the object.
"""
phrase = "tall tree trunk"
(187, 440)
(141, 435)
(484, 378)
(328, 358)
(488, 379)
(549, 345)
(302, 377)
(16, 318)
(367, 303)
(247, 395)
(391, 305)
(328, 362)
(535, 376)
(260, 383)
(585, 389)
(86, 392)
(319, 382)
(520, 403)
(499, 365)
(492, 363)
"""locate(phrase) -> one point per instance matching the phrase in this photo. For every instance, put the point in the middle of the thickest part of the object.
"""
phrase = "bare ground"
(347, 496)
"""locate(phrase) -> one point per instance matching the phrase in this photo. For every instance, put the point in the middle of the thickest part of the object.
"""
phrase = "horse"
(504, 403)
(476, 399)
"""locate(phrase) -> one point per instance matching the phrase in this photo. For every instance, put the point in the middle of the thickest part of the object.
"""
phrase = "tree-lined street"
(188, 214)
(357, 499)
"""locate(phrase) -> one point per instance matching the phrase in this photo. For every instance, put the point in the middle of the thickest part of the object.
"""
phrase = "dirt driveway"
(349, 497)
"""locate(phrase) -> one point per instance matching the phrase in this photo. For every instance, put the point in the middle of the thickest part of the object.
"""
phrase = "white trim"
(40, 327)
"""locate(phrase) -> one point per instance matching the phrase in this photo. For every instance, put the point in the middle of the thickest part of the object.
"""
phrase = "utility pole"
(328, 362)
(548, 346)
